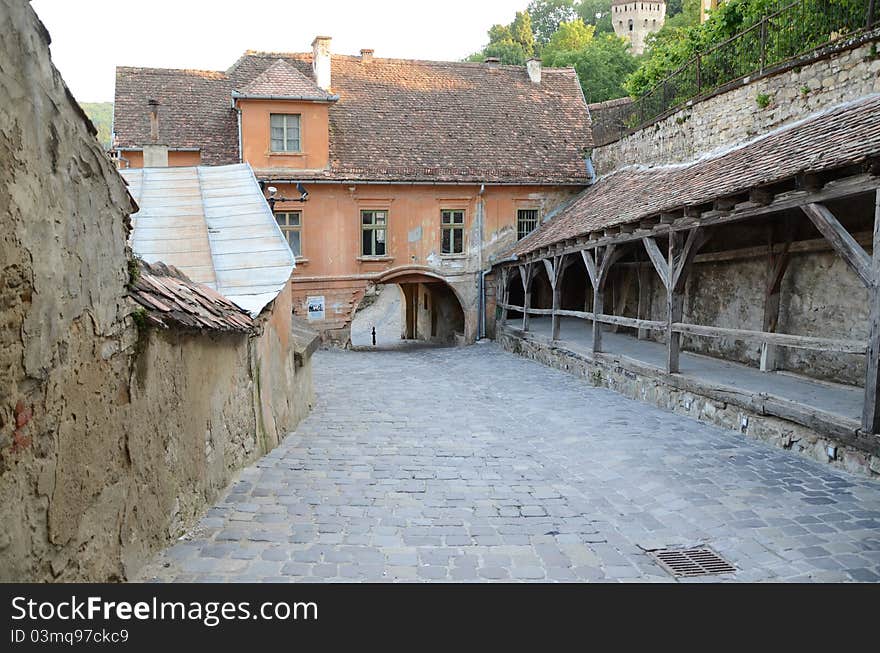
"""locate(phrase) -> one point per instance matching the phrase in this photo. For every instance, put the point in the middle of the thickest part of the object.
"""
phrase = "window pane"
(293, 144)
(380, 217)
(458, 241)
(294, 242)
(367, 217)
(276, 120)
(380, 245)
(367, 242)
(458, 217)
(445, 247)
(281, 219)
(293, 219)
(445, 217)
(380, 235)
(277, 145)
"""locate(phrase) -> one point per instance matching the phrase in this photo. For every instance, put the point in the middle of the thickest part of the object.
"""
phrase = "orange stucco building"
(378, 170)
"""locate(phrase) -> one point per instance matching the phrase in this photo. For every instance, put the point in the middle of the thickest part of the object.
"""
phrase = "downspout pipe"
(481, 324)
(238, 120)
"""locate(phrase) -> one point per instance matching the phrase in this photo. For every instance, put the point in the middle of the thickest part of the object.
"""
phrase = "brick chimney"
(534, 68)
(155, 155)
(321, 61)
(366, 55)
(154, 120)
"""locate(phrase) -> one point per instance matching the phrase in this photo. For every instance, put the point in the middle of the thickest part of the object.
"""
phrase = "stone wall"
(735, 116)
(820, 296)
(113, 437)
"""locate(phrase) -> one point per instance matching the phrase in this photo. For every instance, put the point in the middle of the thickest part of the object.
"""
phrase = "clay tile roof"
(283, 81)
(833, 138)
(172, 300)
(195, 111)
(396, 119)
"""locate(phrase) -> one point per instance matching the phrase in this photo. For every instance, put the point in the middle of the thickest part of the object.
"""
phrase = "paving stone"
(561, 490)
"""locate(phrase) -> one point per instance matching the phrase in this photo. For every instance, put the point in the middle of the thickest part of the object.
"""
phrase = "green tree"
(512, 44)
(547, 15)
(101, 115)
(574, 35)
(588, 10)
(602, 62)
(682, 37)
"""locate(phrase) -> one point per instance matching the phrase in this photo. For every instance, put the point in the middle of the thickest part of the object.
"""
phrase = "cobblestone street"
(473, 464)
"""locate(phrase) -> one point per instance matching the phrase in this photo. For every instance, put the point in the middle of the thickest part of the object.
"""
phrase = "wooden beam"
(696, 238)
(635, 323)
(590, 263)
(527, 273)
(871, 408)
(503, 293)
(656, 257)
(841, 240)
(761, 196)
(781, 339)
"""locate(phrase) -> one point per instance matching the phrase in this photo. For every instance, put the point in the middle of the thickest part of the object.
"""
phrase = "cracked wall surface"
(112, 437)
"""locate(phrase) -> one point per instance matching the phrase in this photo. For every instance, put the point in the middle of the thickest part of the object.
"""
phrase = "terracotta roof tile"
(171, 299)
(395, 119)
(837, 137)
(195, 111)
(281, 80)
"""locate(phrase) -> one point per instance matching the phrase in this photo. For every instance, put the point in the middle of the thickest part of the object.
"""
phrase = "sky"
(91, 37)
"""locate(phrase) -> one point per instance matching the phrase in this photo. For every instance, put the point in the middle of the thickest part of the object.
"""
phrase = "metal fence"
(796, 29)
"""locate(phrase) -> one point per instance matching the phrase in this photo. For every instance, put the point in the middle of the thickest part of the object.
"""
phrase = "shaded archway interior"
(429, 310)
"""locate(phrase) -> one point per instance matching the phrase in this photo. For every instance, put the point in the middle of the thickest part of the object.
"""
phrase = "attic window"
(285, 132)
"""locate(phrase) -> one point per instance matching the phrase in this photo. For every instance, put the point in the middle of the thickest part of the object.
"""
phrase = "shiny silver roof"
(213, 223)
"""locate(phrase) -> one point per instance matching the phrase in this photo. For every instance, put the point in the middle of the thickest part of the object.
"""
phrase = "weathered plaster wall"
(820, 296)
(734, 116)
(331, 265)
(112, 438)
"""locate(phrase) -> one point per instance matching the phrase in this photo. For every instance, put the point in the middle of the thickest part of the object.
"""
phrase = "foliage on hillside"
(566, 33)
(812, 23)
(101, 114)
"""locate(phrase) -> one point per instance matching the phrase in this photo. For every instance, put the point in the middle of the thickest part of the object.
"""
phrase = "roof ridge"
(437, 62)
(142, 69)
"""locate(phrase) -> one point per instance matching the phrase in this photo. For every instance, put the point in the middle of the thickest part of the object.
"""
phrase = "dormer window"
(285, 132)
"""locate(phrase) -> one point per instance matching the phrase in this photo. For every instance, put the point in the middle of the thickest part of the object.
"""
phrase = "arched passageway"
(409, 306)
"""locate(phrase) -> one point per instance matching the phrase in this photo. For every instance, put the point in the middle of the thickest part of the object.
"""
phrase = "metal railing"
(787, 34)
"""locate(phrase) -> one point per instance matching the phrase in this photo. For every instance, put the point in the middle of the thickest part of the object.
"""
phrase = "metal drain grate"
(692, 562)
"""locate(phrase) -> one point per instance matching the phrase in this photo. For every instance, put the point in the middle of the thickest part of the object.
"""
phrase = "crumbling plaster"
(113, 436)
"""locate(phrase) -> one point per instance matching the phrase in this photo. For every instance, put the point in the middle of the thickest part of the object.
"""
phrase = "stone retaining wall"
(735, 116)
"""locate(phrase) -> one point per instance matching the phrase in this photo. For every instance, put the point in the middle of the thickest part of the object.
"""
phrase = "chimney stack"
(492, 62)
(155, 155)
(366, 55)
(154, 120)
(534, 68)
(321, 61)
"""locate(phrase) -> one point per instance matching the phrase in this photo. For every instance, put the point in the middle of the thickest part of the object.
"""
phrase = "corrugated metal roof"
(213, 223)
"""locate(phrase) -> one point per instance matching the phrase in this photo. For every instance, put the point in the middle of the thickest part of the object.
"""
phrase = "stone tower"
(634, 20)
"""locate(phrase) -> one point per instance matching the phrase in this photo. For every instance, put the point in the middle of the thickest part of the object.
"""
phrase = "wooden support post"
(555, 270)
(871, 410)
(644, 309)
(593, 273)
(776, 267)
(674, 305)
(598, 270)
(525, 274)
(503, 293)
(680, 261)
